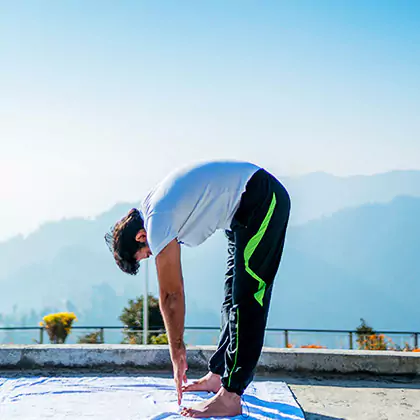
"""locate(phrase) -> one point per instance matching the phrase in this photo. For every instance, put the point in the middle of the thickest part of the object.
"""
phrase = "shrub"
(58, 326)
(90, 338)
(376, 342)
(368, 339)
(363, 331)
(159, 339)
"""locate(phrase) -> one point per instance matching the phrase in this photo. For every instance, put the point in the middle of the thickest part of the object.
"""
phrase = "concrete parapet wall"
(157, 358)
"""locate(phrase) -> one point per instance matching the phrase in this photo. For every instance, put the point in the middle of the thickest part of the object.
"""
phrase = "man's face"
(144, 252)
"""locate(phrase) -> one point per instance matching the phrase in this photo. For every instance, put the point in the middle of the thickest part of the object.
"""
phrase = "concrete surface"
(329, 384)
(157, 357)
(357, 398)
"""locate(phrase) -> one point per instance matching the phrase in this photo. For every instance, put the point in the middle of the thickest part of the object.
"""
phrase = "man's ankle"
(231, 394)
(215, 374)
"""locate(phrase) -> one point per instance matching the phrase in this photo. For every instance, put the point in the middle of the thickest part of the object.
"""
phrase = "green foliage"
(363, 331)
(159, 339)
(58, 326)
(132, 318)
(368, 339)
(90, 338)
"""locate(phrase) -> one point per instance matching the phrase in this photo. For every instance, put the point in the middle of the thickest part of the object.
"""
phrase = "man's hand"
(179, 363)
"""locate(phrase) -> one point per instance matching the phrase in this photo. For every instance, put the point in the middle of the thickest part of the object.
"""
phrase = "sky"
(100, 99)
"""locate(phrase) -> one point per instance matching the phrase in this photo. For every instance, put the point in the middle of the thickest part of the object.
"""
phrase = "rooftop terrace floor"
(322, 397)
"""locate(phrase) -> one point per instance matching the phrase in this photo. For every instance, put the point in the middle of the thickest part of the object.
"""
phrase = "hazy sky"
(99, 99)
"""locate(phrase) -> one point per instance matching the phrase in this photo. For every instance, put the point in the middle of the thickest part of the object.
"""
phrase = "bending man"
(186, 208)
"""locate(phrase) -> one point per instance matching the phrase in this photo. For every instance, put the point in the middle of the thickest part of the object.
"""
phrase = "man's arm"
(172, 306)
(171, 291)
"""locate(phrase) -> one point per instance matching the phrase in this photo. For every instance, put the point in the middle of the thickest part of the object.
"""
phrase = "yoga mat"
(127, 398)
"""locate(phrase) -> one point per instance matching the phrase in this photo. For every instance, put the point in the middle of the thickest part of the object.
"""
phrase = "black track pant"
(255, 246)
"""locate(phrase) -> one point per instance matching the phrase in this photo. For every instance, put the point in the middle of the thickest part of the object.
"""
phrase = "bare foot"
(210, 383)
(223, 404)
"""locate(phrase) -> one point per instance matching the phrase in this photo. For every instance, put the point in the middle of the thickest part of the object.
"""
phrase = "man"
(186, 208)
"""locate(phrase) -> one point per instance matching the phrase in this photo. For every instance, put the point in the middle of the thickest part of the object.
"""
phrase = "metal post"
(286, 338)
(146, 303)
(41, 335)
(416, 340)
(101, 335)
(351, 340)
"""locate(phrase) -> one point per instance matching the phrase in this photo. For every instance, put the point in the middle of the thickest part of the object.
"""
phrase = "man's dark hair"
(121, 241)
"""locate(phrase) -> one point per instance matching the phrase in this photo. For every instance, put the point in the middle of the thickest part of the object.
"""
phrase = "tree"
(132, 319)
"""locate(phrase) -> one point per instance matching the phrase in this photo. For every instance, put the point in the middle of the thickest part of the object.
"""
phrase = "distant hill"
(358, 262)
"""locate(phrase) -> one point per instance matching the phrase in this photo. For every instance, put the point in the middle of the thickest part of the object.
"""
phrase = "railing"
(280, 337)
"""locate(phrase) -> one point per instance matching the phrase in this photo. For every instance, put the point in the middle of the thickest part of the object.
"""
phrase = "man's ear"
(141, 236)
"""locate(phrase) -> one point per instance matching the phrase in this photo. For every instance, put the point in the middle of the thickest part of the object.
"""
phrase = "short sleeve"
(160, 232)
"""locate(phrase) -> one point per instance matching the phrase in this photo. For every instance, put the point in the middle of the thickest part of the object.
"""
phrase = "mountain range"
(319, 194)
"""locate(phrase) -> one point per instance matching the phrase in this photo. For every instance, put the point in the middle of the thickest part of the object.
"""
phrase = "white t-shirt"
(190, 204)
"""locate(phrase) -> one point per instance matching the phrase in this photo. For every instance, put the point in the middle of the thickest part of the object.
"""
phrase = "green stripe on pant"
(249, 250)
(252, 245)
